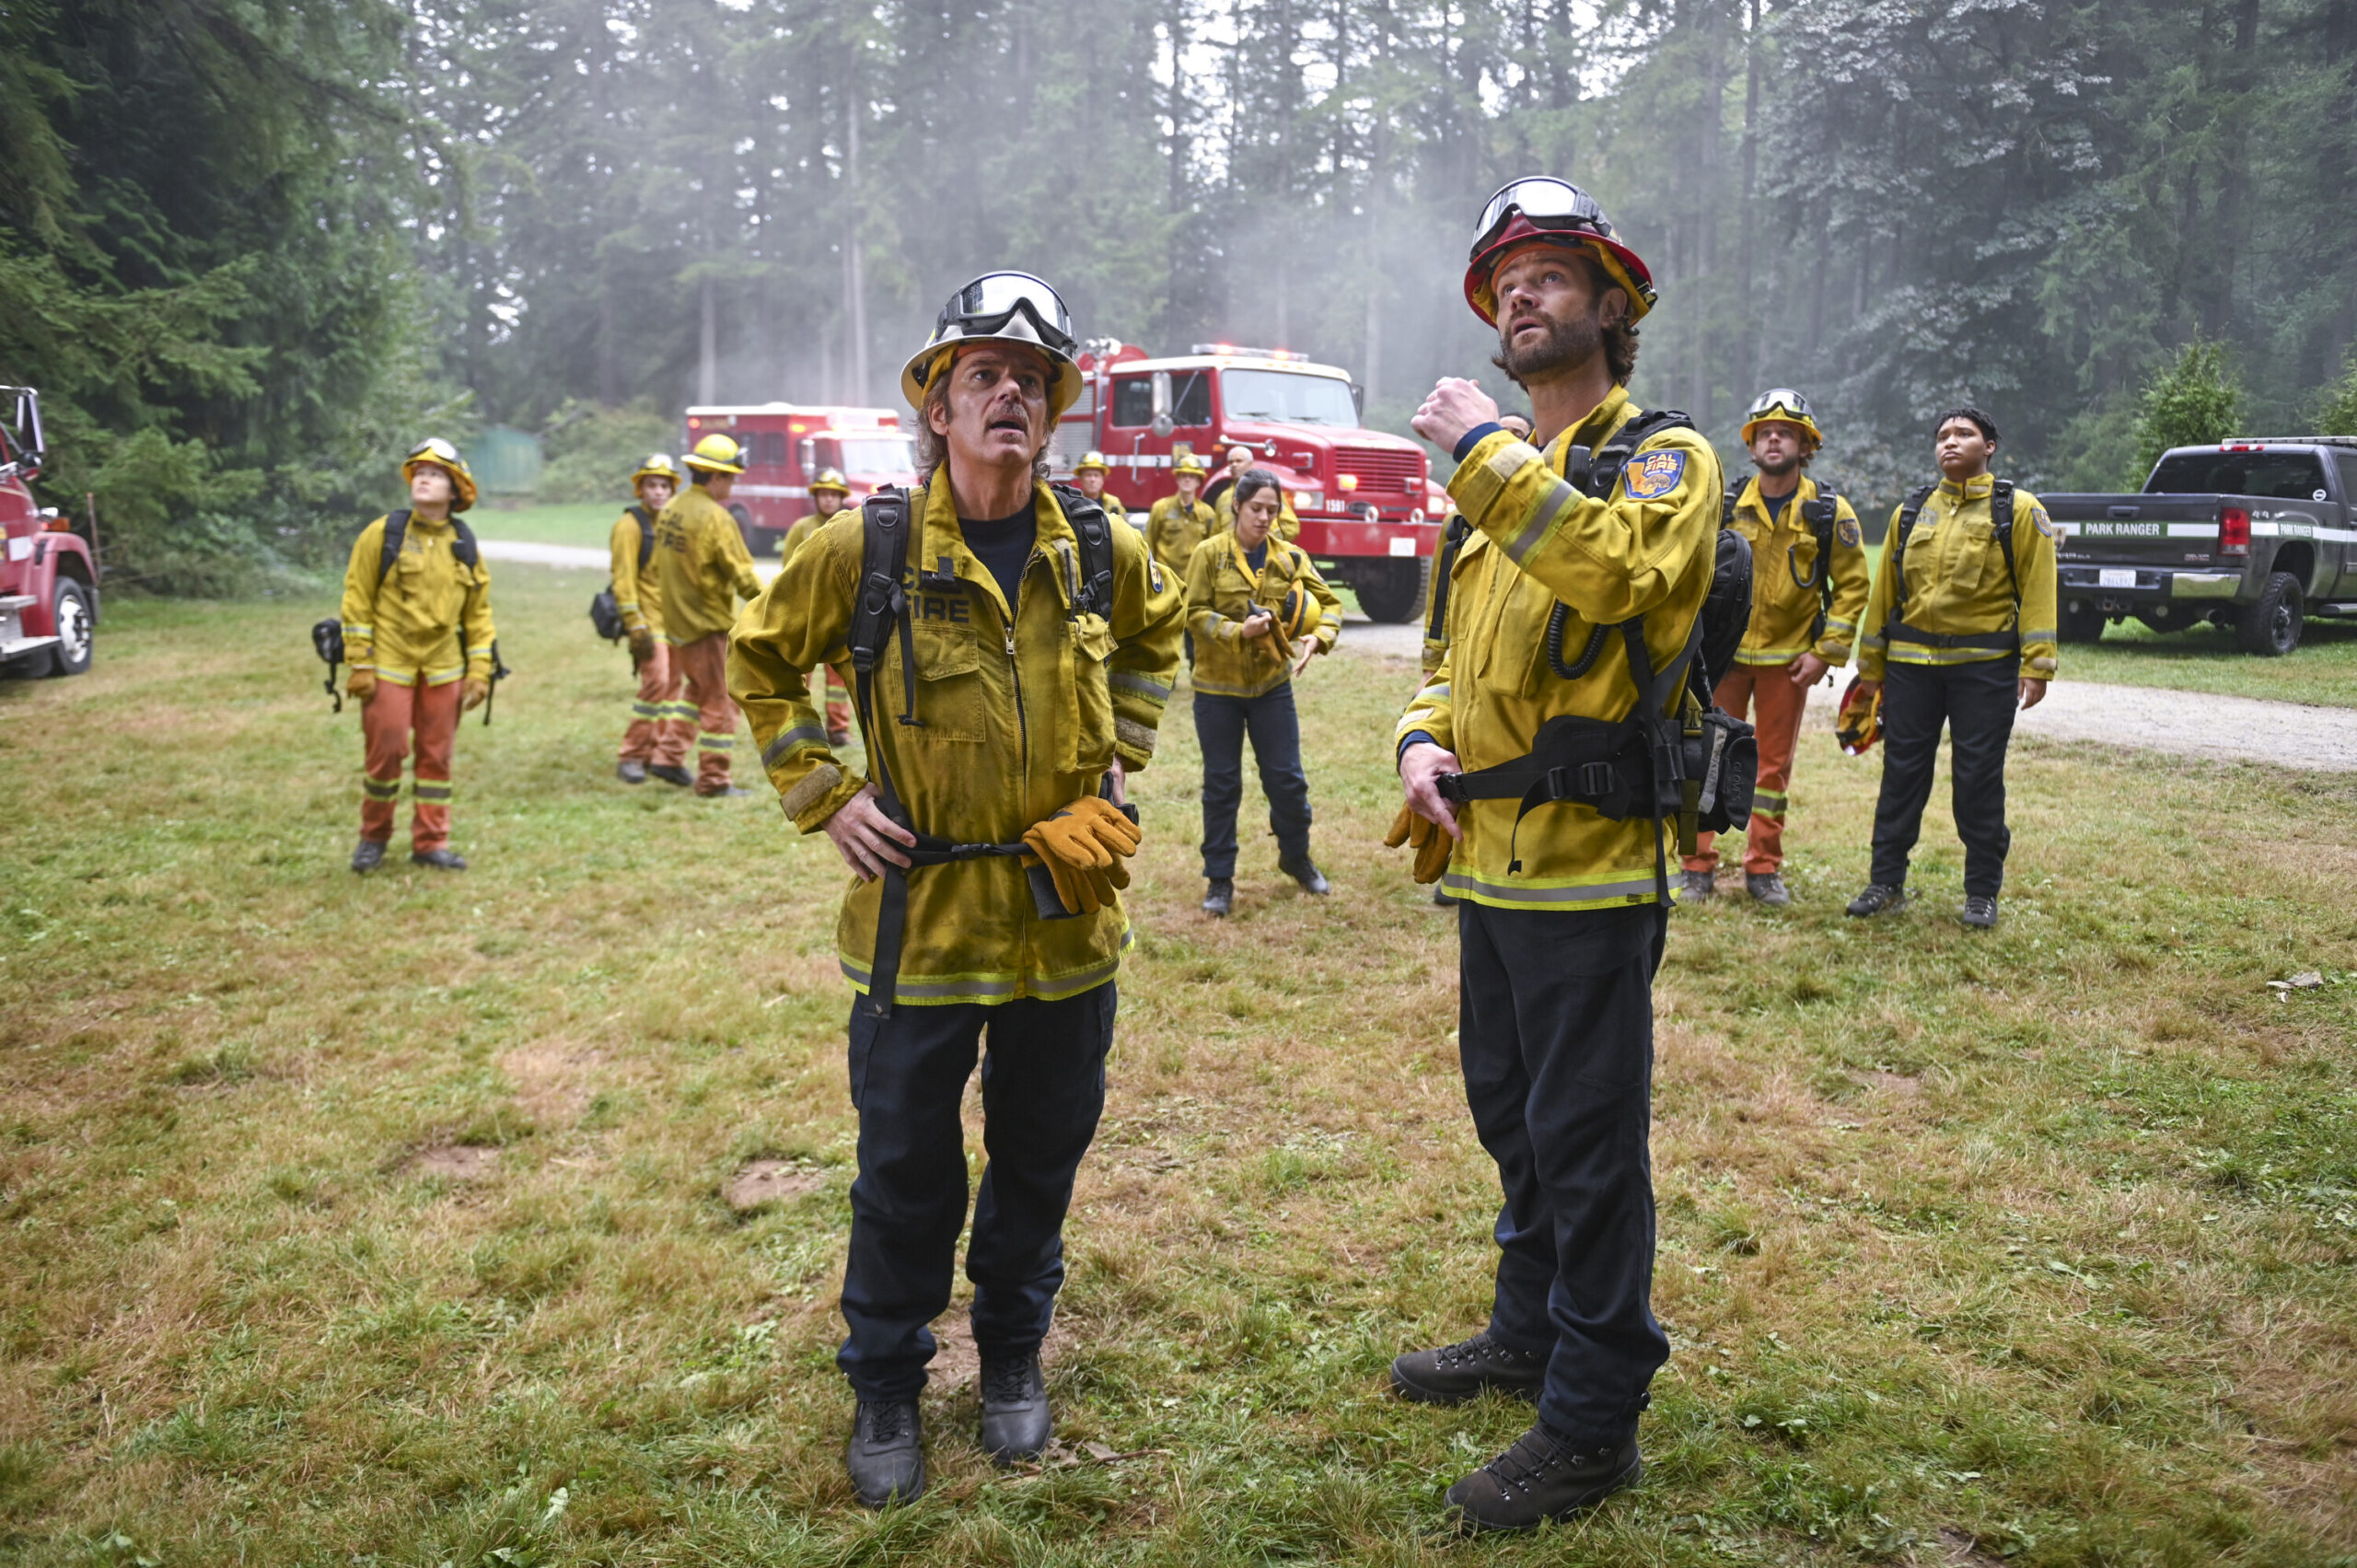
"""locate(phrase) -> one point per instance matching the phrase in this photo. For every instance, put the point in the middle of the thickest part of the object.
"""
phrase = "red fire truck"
(49, 587)
(788, 444)
(1364, 497)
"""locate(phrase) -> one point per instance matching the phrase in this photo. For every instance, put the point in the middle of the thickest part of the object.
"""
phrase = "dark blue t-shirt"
(1004, 546)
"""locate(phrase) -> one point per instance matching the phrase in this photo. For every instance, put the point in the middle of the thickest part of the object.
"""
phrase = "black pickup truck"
(2256, 534)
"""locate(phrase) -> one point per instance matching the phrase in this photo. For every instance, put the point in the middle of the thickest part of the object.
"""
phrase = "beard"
(1778, 471)
(1566, 345)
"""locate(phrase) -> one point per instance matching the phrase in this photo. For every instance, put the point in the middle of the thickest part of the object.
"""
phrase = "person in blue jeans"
(1258, 613)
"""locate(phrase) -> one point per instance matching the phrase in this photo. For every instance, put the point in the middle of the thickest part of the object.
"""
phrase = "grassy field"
(589, 523)
(382, 1221)
(2322, 670)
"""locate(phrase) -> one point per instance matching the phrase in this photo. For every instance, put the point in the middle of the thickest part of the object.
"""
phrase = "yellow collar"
(1594, 430)
(1974, 489)
(943, 541)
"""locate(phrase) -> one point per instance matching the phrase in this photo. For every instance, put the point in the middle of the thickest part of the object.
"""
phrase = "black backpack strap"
(396, 529)
(645, 534)
(463, 544)
(883, 600)
(1908, 512)
(1451, 545)
(1095, 531)
(1727, 503)
(2001, 517)
(1597, 475)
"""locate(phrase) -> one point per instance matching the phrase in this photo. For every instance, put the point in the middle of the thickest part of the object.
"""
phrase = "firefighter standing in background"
(660, 726)
(706, 569)
(1959, 629)
(1088, 476)
(1258, 611)
(1808, 587)
(1175, 524)
(417, 629)
(829, 492)
(1561, 911)
(1024, 753)
(1222, 497)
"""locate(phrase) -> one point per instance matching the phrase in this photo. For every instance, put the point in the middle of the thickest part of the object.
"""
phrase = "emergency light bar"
(1240, 349)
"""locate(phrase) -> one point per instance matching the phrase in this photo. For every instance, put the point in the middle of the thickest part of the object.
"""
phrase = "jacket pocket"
(950, 698)
(1517, 653)
(1092, 645)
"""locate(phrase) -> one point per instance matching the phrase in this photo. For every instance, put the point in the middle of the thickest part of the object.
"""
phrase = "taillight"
(2233, 530)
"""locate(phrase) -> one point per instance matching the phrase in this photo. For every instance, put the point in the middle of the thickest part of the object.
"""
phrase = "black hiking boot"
(1878, 898)
(630, 771)
(886, 1453)
(1543, 1477)
(1017, 1422)
(1979, 910)
(1220, 897)
(680, 776)
(1456, 1373)
(1305, 871)
(369, 855)
(438, 859)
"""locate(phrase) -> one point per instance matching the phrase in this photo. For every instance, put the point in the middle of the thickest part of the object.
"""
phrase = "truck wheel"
(1389, 590)
(2270, 626)
(2083, 620)
(70, 655)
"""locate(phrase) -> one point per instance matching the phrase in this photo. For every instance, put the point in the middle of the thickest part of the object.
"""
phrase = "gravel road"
(2188, 724)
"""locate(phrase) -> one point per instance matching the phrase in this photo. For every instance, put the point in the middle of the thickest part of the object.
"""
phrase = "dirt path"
(2188, 724)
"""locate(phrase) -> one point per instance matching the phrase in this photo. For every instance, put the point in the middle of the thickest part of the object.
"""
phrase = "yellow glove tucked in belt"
(1433, 846)
(1083, 847)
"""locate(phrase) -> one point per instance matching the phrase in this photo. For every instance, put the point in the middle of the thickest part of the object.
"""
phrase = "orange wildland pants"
(387, 719)
(660, 724)
(1768, 687)
(704, 664)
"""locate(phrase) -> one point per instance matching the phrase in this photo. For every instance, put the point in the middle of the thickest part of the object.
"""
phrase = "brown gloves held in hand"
(361, 685)
(1083, 847)
(641, 643)
(471, 694)
(1432, 845)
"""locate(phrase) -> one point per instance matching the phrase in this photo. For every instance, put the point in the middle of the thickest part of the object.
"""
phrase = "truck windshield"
(877, 454)
(1287, 398)
(2279, 476)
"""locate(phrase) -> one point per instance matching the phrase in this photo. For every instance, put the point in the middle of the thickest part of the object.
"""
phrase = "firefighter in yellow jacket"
(1257, 611)
(1088, 478)
(1014, 690)
(1577, 596)
(417, 631)
(1808, 587)
(706, 570)
(1175, 524)
(655, 745)
(1960, 630)
(1221, 494)
(829, 494)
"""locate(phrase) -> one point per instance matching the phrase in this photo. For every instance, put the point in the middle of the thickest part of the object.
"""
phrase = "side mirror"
(1163, 425)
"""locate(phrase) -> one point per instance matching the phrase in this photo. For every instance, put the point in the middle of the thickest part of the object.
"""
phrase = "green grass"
(2322, 670)
(2033, 1246)
(585, 522)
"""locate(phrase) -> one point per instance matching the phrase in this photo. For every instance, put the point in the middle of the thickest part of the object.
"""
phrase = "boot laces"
(889, 1423)
(1533, 1454)
(1481, 1347)
(1006, 1382)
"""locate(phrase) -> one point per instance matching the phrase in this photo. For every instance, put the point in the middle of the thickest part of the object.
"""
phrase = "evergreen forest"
(248, 253)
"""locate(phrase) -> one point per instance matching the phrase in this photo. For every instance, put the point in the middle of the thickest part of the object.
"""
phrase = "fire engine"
(49, 586)
(788, 444)
(1365, 499)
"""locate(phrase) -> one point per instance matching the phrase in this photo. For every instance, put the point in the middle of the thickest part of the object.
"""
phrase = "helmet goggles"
(1542, 208)
(1005, 308)
(1555, 205)
(433, 449)
(1784, 404)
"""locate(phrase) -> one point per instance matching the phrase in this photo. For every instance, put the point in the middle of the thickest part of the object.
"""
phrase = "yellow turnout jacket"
(1784, 555)
(1958, 587)
(704, 566)
(1645, 550)
(639, 598)
(428, 619)
(1173, 528)
(1024, 709)
(1223, 591)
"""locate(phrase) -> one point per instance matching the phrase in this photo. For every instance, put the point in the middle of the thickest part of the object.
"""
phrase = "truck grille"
(1382, 472)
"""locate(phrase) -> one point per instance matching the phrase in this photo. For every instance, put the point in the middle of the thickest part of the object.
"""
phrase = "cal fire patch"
(2045, 524)
(1846, 530)
(1653, 474)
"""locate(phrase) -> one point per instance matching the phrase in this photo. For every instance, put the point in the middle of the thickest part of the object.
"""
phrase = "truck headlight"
(1310, 500)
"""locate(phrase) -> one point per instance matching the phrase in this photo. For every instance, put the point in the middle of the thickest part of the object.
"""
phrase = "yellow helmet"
(1299, 613)
(439, 453)
(718, 453)
(1781, 403)
(1091, 460)
(657, 466)
(1858, 724)
(830, 479)
(1011, 307)
(1187, 463)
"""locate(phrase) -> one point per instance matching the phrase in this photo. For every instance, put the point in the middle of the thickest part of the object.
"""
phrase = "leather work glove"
(361, 685)
(1431, 845)
(641, 643)
(1083, 847)
(471, 694)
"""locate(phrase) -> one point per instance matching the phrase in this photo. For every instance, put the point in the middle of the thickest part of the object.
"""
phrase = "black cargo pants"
(1977, 703)
(1555, 1033)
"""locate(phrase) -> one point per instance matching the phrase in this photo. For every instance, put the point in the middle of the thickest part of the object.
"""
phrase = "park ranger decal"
(1652, 474)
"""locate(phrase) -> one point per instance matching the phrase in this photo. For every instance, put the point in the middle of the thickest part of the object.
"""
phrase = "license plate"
(1403, 547)
(2115, 577)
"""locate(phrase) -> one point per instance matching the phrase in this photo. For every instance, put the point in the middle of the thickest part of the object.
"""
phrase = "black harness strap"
(1452, 544)
(2001, 522)
(1596, 476)
(645, 534)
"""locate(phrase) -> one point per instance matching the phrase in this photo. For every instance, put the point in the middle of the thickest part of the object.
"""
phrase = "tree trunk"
(707, 345)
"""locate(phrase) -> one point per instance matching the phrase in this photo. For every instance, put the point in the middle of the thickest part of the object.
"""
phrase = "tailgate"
(2135, 530)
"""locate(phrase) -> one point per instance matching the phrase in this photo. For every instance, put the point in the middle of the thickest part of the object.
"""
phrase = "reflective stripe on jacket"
(1958, 586)
(405, 624)
(702, 565)
(639, 598)
(1221, 593)
(1538, 541)
(1021, 715)
(1781, 611)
